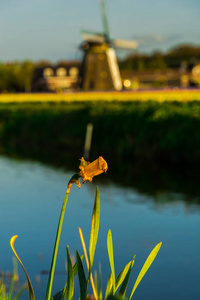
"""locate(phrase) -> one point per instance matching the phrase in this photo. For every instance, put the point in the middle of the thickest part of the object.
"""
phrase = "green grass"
(167, 131)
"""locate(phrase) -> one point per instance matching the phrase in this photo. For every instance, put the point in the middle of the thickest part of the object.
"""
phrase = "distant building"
(66, 77)
(150, 79)
(183, 77)
(56, 78)
(194, 74)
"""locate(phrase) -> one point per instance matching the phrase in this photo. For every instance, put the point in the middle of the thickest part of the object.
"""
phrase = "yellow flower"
(89, 170)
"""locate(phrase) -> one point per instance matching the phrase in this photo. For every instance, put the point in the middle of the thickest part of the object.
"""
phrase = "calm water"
(31, 197)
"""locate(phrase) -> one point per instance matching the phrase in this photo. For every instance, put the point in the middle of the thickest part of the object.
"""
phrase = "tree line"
(179, 56)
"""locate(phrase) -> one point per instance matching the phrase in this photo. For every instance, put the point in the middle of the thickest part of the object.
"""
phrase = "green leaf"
(82, 277)
(94, 229)
(115, 297)
(75, 266)
(122, 275)
(70, 277)
(75, 269)
(58, 295)
(145, 267)
(125, 282)
(30, 288)
(90, 277)
(111, 257)
(13, 278)
(109, 286)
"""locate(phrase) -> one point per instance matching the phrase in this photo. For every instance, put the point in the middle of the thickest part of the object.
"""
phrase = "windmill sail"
(125, 44)
(114, 69)
(92, 37)
(104, 18)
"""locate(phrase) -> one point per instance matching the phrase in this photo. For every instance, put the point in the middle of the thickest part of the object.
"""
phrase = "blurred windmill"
(100, 70)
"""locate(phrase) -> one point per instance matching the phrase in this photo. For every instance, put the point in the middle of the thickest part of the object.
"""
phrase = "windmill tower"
(99, 69)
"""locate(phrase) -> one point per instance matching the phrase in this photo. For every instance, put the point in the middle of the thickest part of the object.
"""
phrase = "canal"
(139, 216)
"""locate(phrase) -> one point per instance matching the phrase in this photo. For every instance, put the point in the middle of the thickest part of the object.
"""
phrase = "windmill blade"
(92, 37)
(125, 44)
(104, 18)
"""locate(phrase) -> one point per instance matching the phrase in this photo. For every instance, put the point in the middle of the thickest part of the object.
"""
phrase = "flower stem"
(55, 251)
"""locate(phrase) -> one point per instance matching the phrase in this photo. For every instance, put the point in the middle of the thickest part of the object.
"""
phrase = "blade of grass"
(115, 297)
(57, 296)
(13, 278)
(70, 277)
(111, 257)
(2, 290)
(87, 262)
(109, 286)
(145, 267)
(82, 277)
(125, 282)
(122, 275)
(94, 229)
(30, 288)
(75, 269)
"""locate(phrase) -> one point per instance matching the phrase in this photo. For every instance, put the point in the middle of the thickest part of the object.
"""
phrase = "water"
(31, 196)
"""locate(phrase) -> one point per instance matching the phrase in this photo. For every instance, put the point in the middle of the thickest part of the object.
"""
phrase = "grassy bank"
(150, 130)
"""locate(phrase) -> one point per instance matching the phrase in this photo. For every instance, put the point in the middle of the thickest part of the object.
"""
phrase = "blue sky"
(50, 29)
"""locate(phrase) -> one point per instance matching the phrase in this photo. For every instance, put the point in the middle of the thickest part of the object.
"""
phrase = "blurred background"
(151, 191)
(44, 44)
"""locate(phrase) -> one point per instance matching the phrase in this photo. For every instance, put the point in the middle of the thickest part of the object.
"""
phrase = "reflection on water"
(31, 196)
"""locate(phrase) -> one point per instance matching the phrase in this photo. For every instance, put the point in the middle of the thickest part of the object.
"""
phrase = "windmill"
(99, 69)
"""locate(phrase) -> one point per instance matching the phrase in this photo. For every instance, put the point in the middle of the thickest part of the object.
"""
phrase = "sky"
(51, 29)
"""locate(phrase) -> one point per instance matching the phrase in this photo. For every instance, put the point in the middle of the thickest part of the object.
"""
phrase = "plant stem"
(55, 251)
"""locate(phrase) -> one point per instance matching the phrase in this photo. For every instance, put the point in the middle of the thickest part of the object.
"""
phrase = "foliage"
(9, 293)
(169, 130)
(112, 290)
(16, 77)
(173, 59)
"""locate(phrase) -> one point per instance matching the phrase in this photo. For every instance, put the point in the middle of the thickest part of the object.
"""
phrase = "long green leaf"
(30, 288)
(13, 278)
(116, 297)
(145, 267)
(57, 296)
(109, 286)
(90, 277)
(64, 291)
(125, 282)
(82, 277)
(70, 277)
(75, 266)
(111, 257)
(121, 276)
(94, 228)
